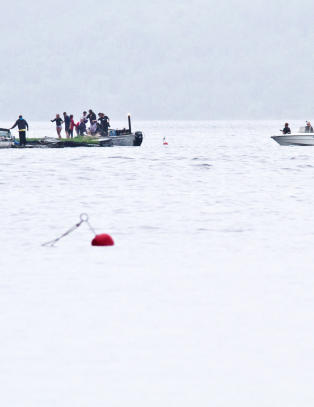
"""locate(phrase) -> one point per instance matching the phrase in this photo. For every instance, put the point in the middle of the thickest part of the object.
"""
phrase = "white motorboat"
(6, 139)
(302, 138)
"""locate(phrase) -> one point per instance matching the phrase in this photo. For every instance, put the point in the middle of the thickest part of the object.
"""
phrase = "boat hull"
(295, 139)
(6, 144)
(128, 140)
(133, 139)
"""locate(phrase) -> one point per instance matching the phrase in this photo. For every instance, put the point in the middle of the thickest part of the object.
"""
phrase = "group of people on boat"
(96, 126)
(307, 129)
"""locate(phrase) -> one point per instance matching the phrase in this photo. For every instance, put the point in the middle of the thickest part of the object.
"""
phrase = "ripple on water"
(203, 166)
(121, 157)
(305, 166)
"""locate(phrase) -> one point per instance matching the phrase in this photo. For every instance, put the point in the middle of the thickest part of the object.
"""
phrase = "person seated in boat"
(286, 129)
(308, 128)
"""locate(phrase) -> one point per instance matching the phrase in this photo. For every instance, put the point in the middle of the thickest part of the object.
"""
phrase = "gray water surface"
(207, 296)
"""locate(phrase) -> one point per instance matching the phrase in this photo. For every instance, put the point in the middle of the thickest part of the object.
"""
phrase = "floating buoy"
(99, 240)
(102, 240)
(165, 142)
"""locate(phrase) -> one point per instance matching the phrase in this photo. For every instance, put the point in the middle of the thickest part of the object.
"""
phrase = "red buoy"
(102, 240)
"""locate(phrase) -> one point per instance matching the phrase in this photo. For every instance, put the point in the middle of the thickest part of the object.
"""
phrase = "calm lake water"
(207, 296)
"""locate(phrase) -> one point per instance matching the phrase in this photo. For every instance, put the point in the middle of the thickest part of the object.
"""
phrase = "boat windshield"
(305, 130)
(4, 133)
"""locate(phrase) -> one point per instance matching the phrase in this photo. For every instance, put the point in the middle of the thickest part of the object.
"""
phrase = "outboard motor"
(138, 138)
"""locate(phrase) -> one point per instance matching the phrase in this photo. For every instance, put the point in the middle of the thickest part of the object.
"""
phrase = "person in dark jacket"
(103, 123)
(67, 122)
(59, 122)
(22, 126)
(286, 129)
(91, 116)
(82, 127)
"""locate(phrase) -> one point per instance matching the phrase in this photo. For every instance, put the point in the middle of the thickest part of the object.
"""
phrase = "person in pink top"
(77, 131)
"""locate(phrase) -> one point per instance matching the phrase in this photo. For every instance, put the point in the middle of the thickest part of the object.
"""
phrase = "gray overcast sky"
(173, 59)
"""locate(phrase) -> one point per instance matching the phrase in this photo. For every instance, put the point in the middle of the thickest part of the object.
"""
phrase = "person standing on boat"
(82, 127)
(103, 123)
(92, 117)
(66, 124)
(22, 126)
(72, 125)
(286, 129)
(84, 117)
(77, 129)
(93, 128)
(308, 128)
(59, 122)
(93, 122)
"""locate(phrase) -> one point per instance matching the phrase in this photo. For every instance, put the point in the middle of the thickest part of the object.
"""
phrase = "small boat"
(6, 138)
(302, 138)
(118, 137)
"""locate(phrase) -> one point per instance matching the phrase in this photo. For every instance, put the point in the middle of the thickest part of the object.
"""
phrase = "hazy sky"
(173, 59)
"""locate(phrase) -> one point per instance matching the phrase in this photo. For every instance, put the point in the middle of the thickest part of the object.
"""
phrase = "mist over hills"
(160, 60)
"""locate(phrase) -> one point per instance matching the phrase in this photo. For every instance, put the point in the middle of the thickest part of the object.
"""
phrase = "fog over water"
(159, 59)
